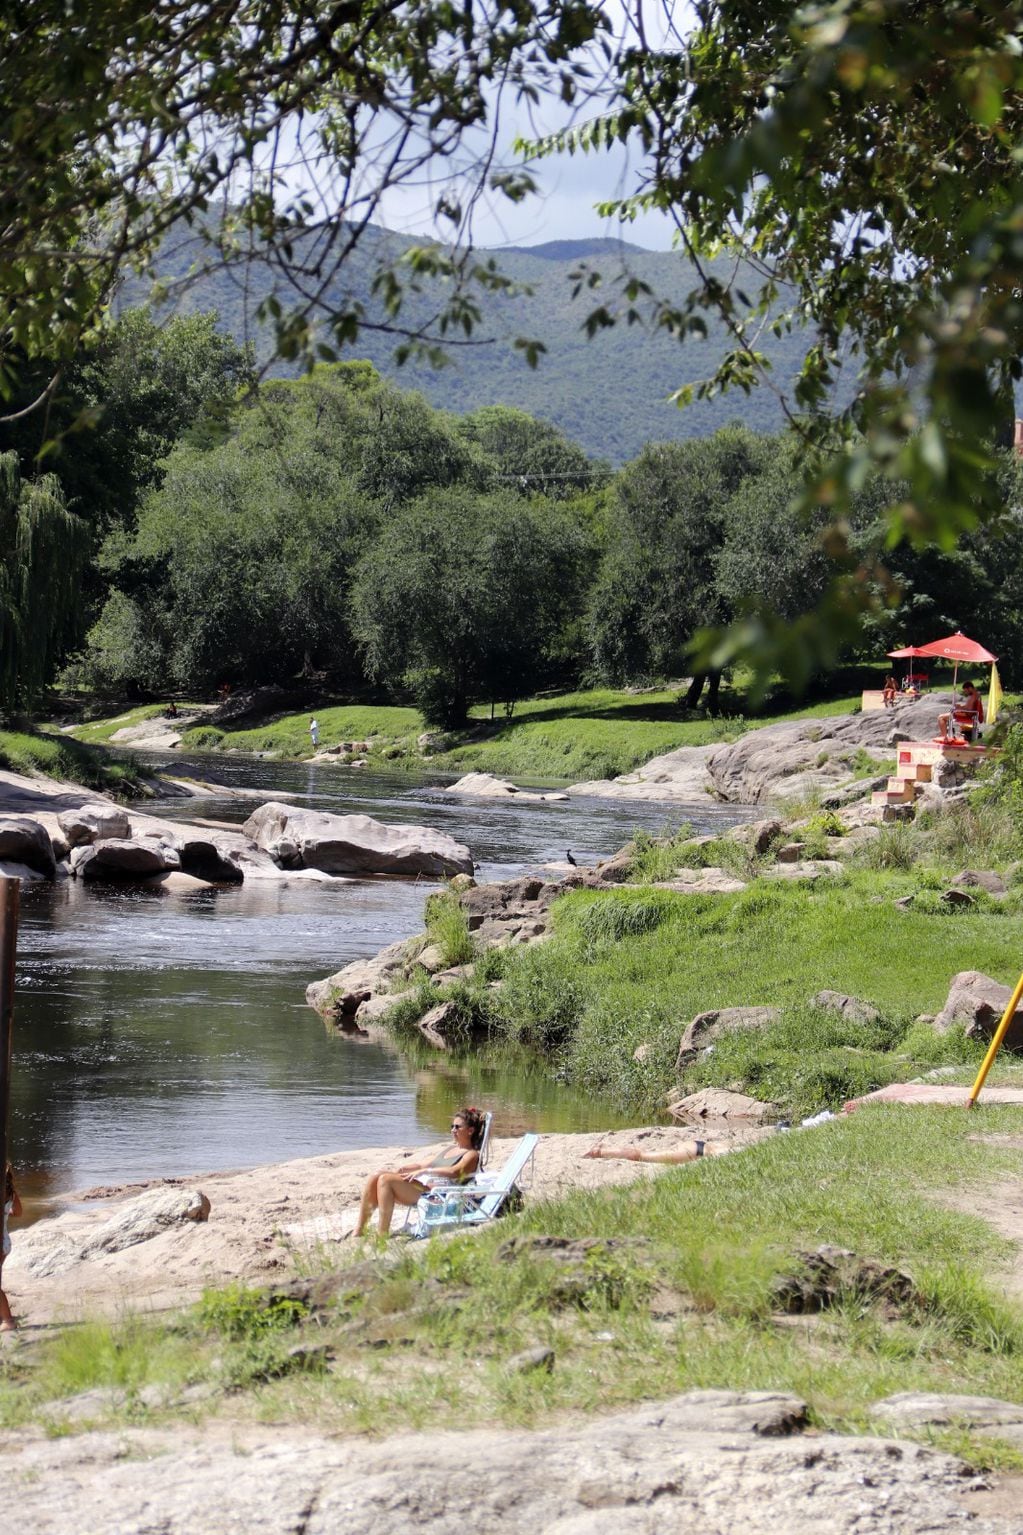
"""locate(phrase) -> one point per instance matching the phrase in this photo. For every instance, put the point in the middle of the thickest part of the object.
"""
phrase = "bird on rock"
(570, 859)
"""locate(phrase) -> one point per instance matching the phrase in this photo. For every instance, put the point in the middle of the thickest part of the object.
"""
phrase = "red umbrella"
(956, 647)
(907, 650)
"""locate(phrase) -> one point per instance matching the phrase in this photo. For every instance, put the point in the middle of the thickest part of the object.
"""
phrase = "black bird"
(570, 859)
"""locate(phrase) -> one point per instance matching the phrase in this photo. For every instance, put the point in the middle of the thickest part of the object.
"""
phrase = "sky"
(570, 185)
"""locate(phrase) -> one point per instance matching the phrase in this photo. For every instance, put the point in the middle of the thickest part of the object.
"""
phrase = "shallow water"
(158, 1034)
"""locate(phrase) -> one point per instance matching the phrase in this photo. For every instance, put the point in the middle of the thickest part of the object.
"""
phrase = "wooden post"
(9, 892)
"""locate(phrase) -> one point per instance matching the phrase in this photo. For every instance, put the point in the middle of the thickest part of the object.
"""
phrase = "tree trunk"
(695, 689)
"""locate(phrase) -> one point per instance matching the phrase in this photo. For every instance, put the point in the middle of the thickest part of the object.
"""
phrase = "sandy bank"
(245, 1237)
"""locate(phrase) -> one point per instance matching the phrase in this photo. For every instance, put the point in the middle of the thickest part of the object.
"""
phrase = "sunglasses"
(458, 1124)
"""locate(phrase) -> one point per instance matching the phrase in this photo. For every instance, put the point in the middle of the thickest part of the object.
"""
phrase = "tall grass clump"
(893, 848)
(448, 926)
(980, 832)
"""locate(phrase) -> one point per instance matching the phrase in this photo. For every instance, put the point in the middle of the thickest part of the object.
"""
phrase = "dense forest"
(341, 529)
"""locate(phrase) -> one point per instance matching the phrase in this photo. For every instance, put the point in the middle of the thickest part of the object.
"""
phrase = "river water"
(158, 1034)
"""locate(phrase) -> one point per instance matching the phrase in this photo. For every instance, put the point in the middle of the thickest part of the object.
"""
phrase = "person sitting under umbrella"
(967, 714)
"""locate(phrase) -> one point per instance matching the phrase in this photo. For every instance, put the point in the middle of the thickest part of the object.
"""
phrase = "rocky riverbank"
(52, 831)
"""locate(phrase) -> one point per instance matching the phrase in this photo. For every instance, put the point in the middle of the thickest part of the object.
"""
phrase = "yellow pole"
(996, 1044)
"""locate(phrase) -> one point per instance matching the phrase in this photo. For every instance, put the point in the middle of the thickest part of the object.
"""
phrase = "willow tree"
(41, 548)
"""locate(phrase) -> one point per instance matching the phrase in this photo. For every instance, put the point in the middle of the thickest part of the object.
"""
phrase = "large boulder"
(123, 860)
(353, 844)
(93, 823)
(719, 1104)
(706, 1461)
(486, 786)
(51, 1246)
(341, 995)
(209, 859)
(24, 841)
(707, 1027)
(975, 1004)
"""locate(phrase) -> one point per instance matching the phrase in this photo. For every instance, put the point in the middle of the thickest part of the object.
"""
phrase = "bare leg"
(674, 1156)
(7, 1322)
(368, 1203)
(395, 1189)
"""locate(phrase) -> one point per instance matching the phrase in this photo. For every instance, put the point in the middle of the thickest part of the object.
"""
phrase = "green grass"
(632, 967)
(60, 756)
(98, 732)
(385, 726)
(711, 1238)
(593, 734)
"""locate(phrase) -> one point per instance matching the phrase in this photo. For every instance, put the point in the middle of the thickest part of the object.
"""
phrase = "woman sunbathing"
(674, 1156)
(407, 1184)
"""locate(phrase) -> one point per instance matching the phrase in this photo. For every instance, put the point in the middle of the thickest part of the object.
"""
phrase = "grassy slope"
(60, 756)
(713, 1235)
(593, 734)
(98, 732)
(632, 967)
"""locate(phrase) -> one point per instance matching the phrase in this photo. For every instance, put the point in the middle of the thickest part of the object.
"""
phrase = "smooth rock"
(486, 786)
(852, 1008)
(440, 1027)
(431, 959)
(53, 1245)
(346, 990)
(719, 1103)
(95, 822)
(710, 881)
(531, 1359)
(934, 1409)
(25, 841)
(980, 879)
(210, 860)
(699, 1464)
(123, 859)
(355, 844)
(791, 852)
(758, 835)
(806, 868)
(706, 1027)
(976, 1004)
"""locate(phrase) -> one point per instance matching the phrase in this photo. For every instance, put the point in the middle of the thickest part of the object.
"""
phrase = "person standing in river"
(12, 1206)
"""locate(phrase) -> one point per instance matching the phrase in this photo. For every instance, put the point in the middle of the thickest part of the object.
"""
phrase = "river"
(158, 1034)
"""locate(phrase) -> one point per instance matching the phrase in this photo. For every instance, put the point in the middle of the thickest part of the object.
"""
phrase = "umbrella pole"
(996, 1043)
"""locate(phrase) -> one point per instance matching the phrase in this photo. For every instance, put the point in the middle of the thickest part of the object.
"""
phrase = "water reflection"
(158, 1034)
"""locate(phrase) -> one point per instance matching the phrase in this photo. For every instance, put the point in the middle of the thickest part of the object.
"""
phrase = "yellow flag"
(994, 698)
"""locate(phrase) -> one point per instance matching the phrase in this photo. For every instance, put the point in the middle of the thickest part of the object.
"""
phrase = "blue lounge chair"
(480, 1199)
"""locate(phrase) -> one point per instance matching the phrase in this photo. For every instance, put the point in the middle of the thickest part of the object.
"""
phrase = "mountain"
(608, 393)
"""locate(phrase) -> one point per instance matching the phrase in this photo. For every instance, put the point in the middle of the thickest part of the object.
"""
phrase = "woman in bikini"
(408, 1183)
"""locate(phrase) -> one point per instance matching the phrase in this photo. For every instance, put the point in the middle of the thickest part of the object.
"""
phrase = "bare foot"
(10, 1326)
(595, 1151)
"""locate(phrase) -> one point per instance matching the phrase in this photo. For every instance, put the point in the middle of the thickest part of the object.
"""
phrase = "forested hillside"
(608, 392)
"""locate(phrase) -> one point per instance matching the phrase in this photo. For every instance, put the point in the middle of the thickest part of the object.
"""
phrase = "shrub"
(203, 738)
(448, 926)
